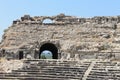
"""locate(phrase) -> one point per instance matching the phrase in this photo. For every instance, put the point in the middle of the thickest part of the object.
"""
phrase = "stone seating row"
(104, 70)
(48, 70)
(57, 70)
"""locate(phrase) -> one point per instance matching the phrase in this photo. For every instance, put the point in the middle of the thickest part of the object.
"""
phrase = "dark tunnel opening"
(50, 47)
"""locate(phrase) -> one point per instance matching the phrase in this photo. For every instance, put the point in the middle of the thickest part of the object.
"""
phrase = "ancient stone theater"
(61, 47)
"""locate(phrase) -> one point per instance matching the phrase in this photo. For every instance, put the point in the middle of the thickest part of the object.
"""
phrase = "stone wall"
(81, 38)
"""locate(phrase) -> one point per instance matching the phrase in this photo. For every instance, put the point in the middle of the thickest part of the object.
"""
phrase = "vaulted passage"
(49, 48)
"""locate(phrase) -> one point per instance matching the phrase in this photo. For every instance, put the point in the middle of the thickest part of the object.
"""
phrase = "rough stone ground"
(9, 65)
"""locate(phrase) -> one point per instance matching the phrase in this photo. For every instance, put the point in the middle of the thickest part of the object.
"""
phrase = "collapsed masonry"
(67, 37)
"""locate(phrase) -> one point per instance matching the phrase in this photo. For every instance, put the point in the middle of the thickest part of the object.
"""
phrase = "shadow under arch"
(50, 47)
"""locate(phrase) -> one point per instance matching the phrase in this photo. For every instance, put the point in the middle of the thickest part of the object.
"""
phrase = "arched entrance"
(47, 21)
(49, 47)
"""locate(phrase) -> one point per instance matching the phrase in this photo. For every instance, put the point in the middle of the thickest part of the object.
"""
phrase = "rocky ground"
(9, 65)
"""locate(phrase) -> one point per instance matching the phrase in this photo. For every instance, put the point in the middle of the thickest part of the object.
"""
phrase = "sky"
(13, 9)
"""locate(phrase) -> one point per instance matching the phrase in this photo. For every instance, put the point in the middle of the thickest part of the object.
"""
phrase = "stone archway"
(50, 47)
(47, 20)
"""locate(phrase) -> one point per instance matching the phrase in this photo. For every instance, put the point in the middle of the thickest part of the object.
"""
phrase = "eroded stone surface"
(96, 37)
(7, 66)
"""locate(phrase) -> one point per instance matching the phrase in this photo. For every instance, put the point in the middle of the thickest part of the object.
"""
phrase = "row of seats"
(48, 70)
(105, 71)
(65, 70)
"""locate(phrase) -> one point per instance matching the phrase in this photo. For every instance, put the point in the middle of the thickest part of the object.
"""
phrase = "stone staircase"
(48, 70)
(65, 70)
(105, 71)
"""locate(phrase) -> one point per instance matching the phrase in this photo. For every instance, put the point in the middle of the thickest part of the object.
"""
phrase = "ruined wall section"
(74, 35)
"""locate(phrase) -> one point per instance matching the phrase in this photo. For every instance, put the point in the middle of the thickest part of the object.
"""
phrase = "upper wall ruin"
(74, 37)
(63, 19)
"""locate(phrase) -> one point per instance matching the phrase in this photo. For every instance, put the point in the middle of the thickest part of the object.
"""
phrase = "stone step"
(95, 77)
(66, 76)
(31, 78)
